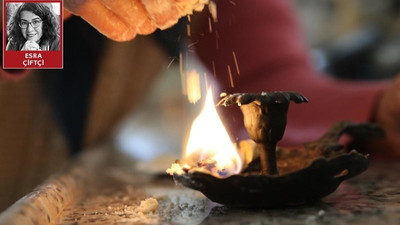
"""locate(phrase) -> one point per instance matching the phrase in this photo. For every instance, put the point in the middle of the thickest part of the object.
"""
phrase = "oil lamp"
(277, 176)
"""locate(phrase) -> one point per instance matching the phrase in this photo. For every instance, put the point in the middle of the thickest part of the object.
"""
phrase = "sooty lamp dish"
(283, 176)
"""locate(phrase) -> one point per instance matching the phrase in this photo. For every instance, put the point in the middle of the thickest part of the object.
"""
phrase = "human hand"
(30, 46)
(388, 116)
(121, 20)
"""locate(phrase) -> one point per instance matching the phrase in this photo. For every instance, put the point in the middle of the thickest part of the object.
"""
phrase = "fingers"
(121, 20)
(164, 13)
(133, 13)
(147, 27)
(102, 18)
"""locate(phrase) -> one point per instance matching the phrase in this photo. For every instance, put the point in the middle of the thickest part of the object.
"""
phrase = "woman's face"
(31, 26)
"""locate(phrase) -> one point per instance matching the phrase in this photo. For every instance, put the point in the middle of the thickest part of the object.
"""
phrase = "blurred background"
(357, 39)
(48, 117)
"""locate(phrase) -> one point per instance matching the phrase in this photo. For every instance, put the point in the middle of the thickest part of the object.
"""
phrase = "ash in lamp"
(258, 174)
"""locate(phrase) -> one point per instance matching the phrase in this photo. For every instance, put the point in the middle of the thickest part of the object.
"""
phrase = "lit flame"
(209, 140)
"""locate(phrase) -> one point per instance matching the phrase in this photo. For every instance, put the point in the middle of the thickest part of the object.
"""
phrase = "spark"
(214, 70)
(232, 2)
(236, 63)
(183, 77)
(230, 76)
(188, 30)
(194, 43)
(209, 25)
(170, 63)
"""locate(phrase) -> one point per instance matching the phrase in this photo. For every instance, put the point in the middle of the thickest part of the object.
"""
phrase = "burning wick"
(209, 148)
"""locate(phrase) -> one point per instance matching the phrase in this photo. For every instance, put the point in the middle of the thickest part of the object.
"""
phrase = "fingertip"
(107, 22)
(147, 27)
(163, 15)
(126, 35)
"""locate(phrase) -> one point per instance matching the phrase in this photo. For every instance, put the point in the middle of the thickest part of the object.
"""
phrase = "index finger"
(163, 13)
(133, 13)
(102, 18)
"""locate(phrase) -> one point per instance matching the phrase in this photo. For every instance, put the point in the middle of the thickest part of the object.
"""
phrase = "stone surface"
(115, 190)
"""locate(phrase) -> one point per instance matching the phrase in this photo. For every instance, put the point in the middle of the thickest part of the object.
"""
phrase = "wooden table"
(101, 187)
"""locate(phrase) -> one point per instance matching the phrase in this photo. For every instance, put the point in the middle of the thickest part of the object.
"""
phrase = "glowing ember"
(209, 148)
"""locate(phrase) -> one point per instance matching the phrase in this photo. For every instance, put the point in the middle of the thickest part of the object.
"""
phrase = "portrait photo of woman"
(32, 27)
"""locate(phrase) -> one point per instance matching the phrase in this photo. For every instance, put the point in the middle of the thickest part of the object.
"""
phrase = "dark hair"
(50, 26)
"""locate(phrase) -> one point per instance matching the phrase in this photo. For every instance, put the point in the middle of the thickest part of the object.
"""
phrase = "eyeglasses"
(35, 23)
